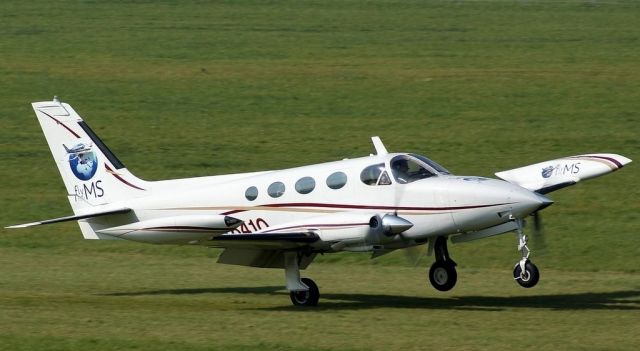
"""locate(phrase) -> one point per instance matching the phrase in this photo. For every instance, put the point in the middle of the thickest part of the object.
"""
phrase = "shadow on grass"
(232, 290)
(616, 300)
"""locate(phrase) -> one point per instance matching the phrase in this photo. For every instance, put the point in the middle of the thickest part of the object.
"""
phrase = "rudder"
(93, 176)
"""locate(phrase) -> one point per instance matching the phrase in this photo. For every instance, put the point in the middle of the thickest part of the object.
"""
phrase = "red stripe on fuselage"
(317, 226)
(185, 229)
(361, 207)
(365, 207)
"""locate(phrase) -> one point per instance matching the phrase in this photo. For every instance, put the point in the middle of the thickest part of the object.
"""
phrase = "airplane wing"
(263, 250)
(265, 240)
(266, 249)
(548, 176)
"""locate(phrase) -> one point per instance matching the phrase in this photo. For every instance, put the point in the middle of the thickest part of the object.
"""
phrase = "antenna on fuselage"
(379, 146)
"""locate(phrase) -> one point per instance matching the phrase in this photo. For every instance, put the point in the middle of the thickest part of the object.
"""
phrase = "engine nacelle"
(188, 229)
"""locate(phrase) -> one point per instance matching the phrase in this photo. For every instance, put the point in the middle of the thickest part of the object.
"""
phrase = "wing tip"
(24, 225)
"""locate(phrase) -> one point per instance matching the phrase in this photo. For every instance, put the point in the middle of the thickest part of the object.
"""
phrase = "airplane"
(285, 218)
(78, 148)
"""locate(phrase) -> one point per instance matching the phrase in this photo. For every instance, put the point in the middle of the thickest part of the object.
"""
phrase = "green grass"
(181, 89)
(140, 301)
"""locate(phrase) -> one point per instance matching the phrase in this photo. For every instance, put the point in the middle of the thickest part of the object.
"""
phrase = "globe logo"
(547, 172)
(83, 161)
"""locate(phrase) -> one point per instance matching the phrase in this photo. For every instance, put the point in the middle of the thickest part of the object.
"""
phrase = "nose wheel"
(525, 272)
(442, 274)
(527, 277)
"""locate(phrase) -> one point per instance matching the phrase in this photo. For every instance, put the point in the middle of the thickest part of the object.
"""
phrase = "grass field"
(180, 88)
(142, 301)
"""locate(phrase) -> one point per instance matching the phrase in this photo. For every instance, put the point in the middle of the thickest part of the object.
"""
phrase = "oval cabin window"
(251, 193)
(337, 180)
(276, 189)
(305, 185)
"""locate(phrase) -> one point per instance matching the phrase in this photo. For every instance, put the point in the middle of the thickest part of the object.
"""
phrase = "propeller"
(539, 242)
(412, 252)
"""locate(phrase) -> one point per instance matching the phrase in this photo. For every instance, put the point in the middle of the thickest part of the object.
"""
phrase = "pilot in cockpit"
(400, 170)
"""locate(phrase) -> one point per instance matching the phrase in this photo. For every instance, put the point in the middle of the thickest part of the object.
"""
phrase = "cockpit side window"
(406, 170)
(375, 175)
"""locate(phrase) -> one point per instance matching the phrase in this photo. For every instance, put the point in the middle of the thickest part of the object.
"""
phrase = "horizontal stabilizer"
(548, 176)
(71, 218)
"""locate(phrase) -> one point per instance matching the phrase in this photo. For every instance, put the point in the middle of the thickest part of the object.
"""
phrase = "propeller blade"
(539, 243)
(537, 222)
(413, 254)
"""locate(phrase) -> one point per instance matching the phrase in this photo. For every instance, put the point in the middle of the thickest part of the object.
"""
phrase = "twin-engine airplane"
(283, 219)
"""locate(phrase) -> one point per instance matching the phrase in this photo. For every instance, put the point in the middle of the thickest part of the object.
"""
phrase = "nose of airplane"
(478, 200)
(546, 202)
(526, 202)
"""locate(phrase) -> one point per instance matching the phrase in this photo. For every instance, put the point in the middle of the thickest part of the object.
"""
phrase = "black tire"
(443, 275)
(530, 277)
(306, 298)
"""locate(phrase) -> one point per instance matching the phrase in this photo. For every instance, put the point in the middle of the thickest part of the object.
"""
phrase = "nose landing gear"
(525, 272)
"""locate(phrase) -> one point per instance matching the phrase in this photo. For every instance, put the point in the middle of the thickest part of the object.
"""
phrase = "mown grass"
(183, 89)
(138, 301)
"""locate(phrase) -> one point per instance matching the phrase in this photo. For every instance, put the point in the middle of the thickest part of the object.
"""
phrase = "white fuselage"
(442, 204)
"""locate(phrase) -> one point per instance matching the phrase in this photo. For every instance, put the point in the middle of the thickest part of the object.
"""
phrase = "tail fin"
(92, 174)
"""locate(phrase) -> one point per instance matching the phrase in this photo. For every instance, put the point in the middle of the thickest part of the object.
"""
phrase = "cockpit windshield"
(431, 163)
(407, 169)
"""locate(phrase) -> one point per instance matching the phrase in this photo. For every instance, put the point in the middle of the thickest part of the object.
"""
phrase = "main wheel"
(529, 278)
(306, 298)
(443, 275)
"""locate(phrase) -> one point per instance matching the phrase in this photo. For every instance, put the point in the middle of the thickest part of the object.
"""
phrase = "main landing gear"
(306, 298)
(442, 274)
(303, 292)
(525, 272)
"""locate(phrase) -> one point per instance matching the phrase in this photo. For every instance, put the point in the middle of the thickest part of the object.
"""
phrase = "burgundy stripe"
(120, 178)
(306, 204)
(106, 165)
(232, 212)
(186, 228)
(392, 208)
(317, 226)
(60, 123)
(612, 160)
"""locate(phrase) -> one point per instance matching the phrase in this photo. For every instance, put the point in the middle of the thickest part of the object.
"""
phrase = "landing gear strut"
(303, 292)
(525, 272)
(442, 274)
